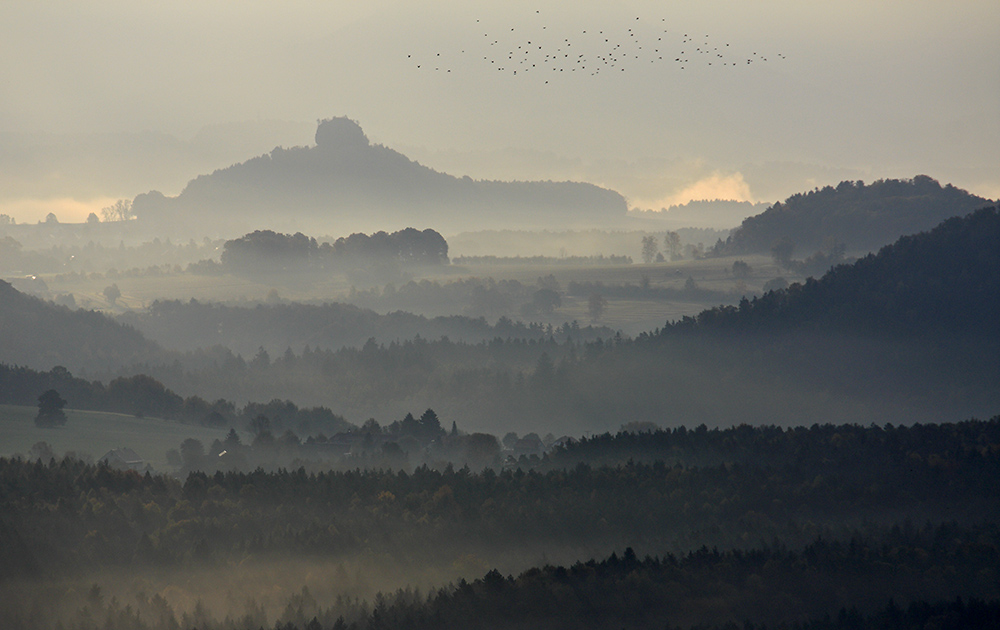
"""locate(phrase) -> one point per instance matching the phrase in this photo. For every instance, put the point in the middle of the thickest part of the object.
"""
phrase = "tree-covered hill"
(859, 216)
(41, 335)
(942, 282)
(346, 179)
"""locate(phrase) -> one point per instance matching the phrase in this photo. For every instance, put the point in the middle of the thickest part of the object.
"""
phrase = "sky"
(808, 93)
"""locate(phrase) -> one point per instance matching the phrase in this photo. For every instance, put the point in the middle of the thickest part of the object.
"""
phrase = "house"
(563, 441)
(529, 445)
(123, 459)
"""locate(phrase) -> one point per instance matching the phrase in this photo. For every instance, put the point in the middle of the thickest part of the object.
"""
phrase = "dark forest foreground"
(842, 525)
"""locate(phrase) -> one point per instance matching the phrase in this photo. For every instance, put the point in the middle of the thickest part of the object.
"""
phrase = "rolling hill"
(942, 282)
(861, 217)
(39, 334)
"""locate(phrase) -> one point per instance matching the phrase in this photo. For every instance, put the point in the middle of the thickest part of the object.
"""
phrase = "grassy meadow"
(94, 433)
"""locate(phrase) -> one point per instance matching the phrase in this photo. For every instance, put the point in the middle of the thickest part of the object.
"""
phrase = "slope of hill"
(946, 281)
(187, 326)
(348, 181)
(853, 214)
(39, 334)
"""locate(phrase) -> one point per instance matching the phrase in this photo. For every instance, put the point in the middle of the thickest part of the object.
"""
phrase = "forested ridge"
(859, 216)
(942, 282)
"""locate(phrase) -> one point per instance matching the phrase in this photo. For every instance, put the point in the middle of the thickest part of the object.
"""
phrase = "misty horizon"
(503, 315)
(848, 100)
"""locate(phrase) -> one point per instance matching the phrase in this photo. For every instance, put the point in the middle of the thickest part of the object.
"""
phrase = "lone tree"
(649, 249)
(596, 304)
(782, 251)
(546, 301)
(112, 293)
(741, 269)
(50, 410)
(672, 243)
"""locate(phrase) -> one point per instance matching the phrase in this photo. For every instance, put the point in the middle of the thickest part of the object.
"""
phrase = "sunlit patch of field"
(96, 432)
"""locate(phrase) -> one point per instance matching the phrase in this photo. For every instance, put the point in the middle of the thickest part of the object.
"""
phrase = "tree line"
(792, 525)
(64, 513)
(269, 251)
(141, 395)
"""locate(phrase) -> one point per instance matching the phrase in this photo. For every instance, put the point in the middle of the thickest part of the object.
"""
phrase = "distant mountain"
(41, 335)
(346, 181)
(852, 214)
(944, 282)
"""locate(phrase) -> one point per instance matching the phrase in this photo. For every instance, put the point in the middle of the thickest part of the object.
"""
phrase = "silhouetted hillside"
(347, 180)
(946, 281)
(191, 325)
(853, 214)
(39, 334)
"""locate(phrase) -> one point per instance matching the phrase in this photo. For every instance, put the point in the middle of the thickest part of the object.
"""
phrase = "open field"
(630, 315)
(95, 433)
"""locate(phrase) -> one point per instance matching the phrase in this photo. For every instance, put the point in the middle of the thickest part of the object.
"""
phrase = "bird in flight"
(523, 50)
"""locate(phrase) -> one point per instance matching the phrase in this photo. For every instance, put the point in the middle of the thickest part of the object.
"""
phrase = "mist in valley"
(502, 316)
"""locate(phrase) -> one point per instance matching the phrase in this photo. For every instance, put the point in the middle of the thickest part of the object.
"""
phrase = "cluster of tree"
(14, 259)
(268, 251)
(403, 444)
(512, 246)
(143, 396)
(862, 217)
(816, 264)
(476, 297)
(945, 281)
(120, 210)
(671, 246)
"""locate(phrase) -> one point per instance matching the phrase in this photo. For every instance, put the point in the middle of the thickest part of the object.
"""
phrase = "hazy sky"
(850, 89)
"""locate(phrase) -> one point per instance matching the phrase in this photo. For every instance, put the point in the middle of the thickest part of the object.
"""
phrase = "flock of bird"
(537, 50)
